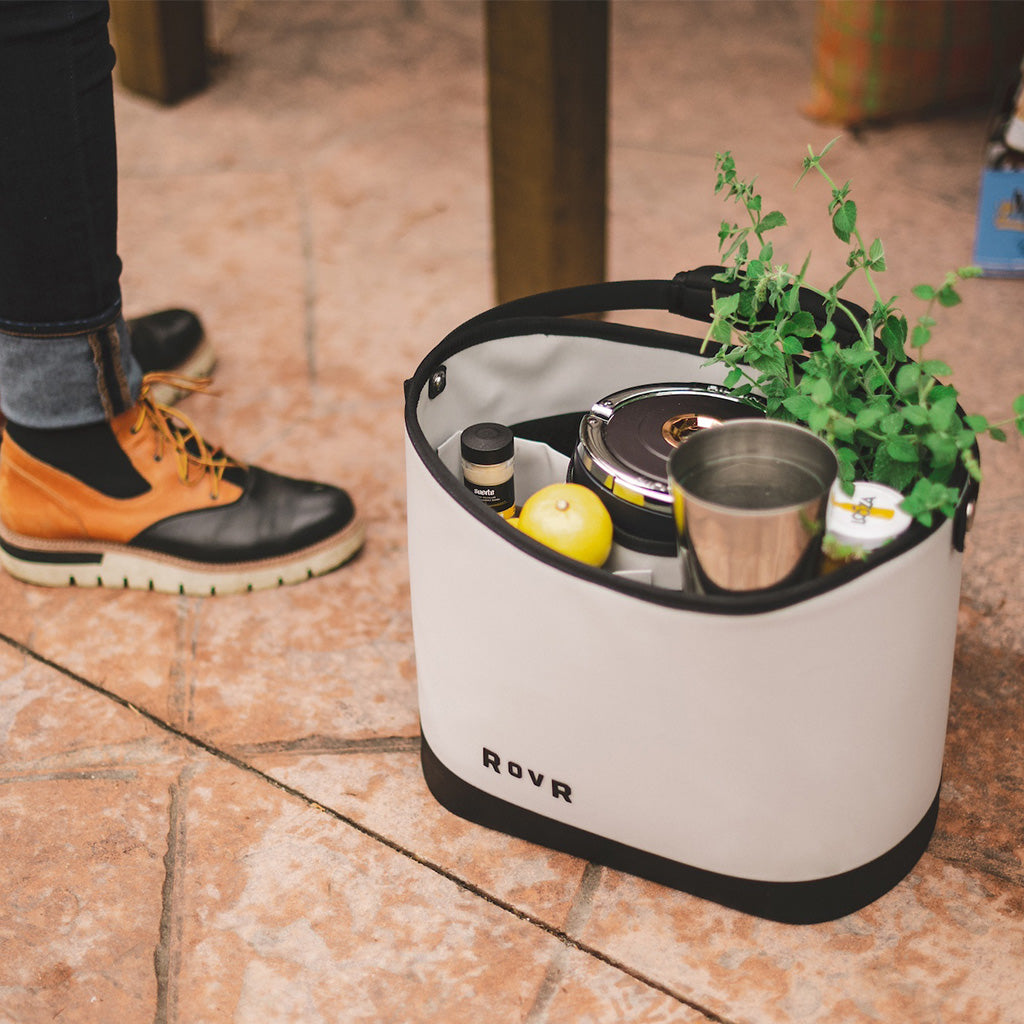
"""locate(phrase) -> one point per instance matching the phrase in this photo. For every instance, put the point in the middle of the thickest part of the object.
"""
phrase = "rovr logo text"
(559, 790)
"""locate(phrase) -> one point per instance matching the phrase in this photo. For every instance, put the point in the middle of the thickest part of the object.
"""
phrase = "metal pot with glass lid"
(624, 445)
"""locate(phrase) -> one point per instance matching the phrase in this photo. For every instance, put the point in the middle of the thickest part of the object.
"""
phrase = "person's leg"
(65, 352)
(99, 484)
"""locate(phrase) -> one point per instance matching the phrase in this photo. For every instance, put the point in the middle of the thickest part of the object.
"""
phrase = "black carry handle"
(689, 294)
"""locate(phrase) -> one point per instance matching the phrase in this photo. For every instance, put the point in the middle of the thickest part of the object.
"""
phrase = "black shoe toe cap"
(275, 516)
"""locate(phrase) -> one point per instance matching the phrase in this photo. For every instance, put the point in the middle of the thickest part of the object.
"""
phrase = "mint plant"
(885, 413)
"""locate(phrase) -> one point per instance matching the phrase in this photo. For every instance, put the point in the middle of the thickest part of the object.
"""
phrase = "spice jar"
(488, 452)
(859, 523)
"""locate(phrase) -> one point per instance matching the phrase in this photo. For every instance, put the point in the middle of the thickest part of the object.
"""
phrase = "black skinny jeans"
(59, 269)
(65, 353)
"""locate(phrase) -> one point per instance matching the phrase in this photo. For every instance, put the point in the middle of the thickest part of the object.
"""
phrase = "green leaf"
(856, 356)
(827, 147)
(821, 392)
(868, 417)
(997, 434)
(874, 382)
(894, 335)
(721, 332)
(891, 424)
(936, 368)
(916, 415)
(944, 451)
(1018, 405)
(876, 255)
(942, 412)
(920, 336)
(768, 360)
(801, 325)
(844, 428)
(907, 378)
(799, 405)
(924, 292)
(726, 305)
(901, 449)
(948, 297)
(792, 346)
(819, 417)
(979, 424)
(771, 220)
(844, 221)
(930, 495)
(733, 377)
(972, 465)
(886, 470)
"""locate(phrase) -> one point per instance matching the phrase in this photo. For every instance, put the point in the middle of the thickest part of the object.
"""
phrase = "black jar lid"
(487, 444)
(626, 438)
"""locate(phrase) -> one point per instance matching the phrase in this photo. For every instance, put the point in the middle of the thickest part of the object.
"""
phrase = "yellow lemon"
(571, 519)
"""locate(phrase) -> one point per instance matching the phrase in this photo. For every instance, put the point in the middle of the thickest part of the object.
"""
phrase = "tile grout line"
(575, 921)
(179, 696)
(319, 744)
(167, 953)
(461, 883)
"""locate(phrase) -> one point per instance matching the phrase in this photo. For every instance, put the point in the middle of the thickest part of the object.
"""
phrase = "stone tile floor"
(212, 809)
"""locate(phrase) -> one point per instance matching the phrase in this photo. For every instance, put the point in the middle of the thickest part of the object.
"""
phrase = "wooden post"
(547, 63)
(161, 47)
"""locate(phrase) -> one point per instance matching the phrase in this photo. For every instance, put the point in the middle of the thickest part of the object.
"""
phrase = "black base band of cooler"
(811, 902)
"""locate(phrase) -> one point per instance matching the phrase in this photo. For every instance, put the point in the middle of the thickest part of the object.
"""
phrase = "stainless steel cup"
(749, 498)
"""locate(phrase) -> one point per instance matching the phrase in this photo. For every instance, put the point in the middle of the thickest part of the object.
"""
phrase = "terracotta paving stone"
(286, 915)
(83, 819)
(259, 676)
(136, 648)
(942, 946)
(379, 785)
(69, 947)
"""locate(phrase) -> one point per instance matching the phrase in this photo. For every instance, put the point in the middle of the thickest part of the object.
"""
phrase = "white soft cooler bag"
(779, 753)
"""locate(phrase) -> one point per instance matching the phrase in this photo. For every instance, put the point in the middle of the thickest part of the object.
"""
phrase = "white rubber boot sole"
(83, 564)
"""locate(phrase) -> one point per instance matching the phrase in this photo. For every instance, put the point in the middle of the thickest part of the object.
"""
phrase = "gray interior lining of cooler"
(510, 380)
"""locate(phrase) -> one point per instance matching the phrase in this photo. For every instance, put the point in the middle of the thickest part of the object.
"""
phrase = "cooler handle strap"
(689, 294)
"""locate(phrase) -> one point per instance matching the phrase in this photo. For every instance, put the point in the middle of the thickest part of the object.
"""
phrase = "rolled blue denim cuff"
(69, 380)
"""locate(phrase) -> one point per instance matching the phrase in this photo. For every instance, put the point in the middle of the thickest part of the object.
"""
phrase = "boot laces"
(175, 434)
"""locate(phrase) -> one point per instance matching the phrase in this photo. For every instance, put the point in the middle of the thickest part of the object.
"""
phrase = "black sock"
(90, 454)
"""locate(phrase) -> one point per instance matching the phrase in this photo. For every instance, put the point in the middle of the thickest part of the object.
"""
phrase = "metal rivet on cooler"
(437, 382)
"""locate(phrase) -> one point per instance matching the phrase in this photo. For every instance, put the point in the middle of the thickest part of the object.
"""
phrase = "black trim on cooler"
(809, 902)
